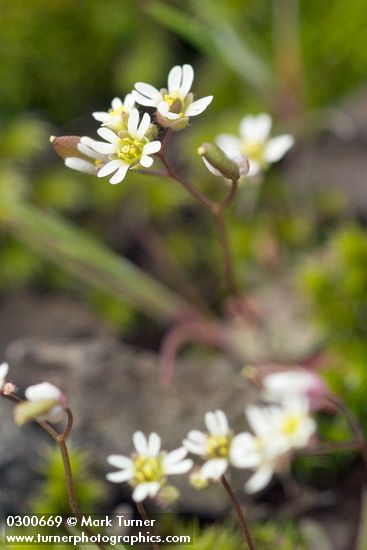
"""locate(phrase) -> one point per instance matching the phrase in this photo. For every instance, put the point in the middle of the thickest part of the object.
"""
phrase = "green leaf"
(75, 251)
(215, 40)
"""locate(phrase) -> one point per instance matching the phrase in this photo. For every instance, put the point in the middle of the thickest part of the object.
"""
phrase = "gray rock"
(334, 156)
(112, 389)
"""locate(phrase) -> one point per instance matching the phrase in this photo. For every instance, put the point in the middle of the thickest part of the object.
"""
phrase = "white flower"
(48, 392)
(214, 445)
(277, 431)
(262, 451)
(256, 143)
(84, 165)
(4, 369)
(115, 117)
(127, 149)
(147, 469)
(176, 101)
(292, 422)
(280, 386)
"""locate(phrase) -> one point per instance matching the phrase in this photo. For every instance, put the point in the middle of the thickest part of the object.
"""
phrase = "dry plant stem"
(167, 267)
(217, 211)
(353, 424)
(144, 515)
(68, 476)
(69, 424)
(60, 440)
(240, 515)
(218, 214)
(228, 264)
(205, 201)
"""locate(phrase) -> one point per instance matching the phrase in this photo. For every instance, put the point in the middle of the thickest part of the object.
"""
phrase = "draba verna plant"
(282, 424)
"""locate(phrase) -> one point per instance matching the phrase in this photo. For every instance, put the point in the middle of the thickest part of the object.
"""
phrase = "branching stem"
(60, 438)
(217, 211)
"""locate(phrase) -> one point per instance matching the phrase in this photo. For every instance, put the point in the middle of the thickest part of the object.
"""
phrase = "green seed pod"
(217, 158)
(29, 410)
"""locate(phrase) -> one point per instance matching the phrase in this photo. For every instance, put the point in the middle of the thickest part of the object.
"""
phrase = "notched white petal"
(80, 165)
(120, 174)
(174, 79)
(109, 168)
(197, 107)
(187, 79)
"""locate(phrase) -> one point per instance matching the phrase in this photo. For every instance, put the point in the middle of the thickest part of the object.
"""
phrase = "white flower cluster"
(130, 138)
(277, 429)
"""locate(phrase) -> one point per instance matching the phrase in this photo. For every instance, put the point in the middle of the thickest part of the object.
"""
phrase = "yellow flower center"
(175, 103)
(254, 150)
(130, 149)
(291, 424)
(147, 469)
(118, 111)
(218, 446)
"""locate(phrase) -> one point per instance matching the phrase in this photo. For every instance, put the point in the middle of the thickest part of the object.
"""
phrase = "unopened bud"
(8, 388)
(197, 481)
(28, 410)
(221, 164)
(167, 496)
(66, 146)
(152, 132)
(174, 124)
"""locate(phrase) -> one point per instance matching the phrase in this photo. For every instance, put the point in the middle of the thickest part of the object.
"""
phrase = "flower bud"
(167, 496)
(198, 481)
(66, 146)
(45, 402)
(221, 164)
(152, 132)
(175, 124)
(28, 410)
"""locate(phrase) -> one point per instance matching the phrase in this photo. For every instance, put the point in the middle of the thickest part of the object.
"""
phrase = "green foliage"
(52, 51)
(267, 536)
(51, 497)
(337, 286)
(271, 535)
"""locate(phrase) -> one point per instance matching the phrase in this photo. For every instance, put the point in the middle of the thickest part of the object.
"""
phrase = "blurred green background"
(61, 60)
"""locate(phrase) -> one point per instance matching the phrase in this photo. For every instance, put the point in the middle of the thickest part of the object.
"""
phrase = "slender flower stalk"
(145, 517)
(60, 439)
(239, 513)
(216, 210)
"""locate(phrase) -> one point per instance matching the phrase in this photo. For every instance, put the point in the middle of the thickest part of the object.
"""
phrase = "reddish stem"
(239, 513)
